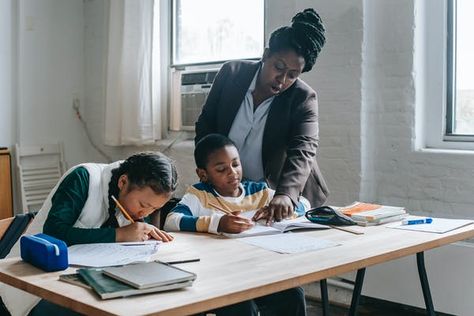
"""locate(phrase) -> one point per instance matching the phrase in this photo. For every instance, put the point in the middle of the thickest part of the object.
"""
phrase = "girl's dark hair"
(207, 145)
(305, 36)
(146, 169)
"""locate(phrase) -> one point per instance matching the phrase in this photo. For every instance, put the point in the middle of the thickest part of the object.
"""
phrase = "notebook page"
(110, 254)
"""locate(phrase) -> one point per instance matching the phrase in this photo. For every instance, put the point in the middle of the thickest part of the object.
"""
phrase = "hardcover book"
(107, 287)
(149, 275)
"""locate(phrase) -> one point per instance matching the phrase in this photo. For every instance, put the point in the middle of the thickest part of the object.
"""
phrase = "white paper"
(438, 225)
(289, 243)
(110, 254)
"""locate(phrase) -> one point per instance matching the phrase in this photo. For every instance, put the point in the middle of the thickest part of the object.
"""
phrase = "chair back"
(39, 168)
(11, 229)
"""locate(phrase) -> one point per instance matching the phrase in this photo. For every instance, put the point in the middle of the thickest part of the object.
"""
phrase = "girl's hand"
(160, 234)
(234, 224)
(139, 231)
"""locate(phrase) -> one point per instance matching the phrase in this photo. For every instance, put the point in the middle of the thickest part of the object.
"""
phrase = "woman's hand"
(280, 207)
(139, 231)
(234, 224)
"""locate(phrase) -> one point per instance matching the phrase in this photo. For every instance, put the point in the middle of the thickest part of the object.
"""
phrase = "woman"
(80, 209)
(272, 115)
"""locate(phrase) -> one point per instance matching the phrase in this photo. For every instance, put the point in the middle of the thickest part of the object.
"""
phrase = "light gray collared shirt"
(247, 133)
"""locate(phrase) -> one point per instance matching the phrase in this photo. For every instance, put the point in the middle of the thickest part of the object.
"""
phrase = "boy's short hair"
(207, 145)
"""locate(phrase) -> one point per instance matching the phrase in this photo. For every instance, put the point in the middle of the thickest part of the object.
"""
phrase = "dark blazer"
(290, 137)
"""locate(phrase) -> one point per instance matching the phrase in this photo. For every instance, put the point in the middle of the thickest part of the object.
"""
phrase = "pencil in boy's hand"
(124, 212)
(220, 208)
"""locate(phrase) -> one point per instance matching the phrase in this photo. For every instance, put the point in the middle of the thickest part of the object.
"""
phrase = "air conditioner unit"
(189, 90)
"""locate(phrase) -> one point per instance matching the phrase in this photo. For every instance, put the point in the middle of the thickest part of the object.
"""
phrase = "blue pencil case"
(44, 252)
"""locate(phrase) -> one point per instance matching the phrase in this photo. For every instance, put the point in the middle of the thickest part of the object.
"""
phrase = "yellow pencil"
(225, 210)
(220, 208)
(124, 212)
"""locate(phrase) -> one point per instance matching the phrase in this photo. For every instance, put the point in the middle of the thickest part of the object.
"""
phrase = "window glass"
(463, 69)
(206, 31)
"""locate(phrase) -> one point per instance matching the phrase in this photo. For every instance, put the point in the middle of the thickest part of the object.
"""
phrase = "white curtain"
(132, 112)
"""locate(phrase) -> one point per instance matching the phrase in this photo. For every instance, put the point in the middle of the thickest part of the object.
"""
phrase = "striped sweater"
(195, 211)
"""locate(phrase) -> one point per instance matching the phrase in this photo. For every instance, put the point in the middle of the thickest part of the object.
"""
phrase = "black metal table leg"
(324, 296)
(357, 291)
(420, 261)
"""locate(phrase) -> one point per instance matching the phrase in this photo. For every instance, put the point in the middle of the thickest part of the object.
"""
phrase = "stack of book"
(367, 214)
(132, 279)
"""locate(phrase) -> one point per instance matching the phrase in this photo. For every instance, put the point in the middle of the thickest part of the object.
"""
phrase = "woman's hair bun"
(305, 36)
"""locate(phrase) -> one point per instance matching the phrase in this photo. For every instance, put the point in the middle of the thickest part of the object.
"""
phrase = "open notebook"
(276, 227)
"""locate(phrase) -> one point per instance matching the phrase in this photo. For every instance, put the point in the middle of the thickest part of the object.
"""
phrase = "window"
(444, 55)
(460, 71)
(209, 31)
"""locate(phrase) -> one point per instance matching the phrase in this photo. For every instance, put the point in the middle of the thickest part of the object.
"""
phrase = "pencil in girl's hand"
(124, 212)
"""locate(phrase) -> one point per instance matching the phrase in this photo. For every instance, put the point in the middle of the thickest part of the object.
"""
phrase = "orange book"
(358, 207)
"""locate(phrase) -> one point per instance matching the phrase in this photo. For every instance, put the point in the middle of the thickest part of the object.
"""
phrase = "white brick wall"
(337, 79)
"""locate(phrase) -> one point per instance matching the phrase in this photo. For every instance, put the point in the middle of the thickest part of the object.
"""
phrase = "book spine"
(84, 273)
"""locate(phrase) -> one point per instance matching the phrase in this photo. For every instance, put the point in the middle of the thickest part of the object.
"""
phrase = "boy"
(220, 173)
(221, 187)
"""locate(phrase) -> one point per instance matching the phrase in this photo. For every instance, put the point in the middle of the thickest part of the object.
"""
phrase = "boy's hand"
(262, 213)
(280, 207)
(234, 224)
(139, 231)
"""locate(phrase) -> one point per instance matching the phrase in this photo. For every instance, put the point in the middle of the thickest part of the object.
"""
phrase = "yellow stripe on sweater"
(248, 203)
(202, 224)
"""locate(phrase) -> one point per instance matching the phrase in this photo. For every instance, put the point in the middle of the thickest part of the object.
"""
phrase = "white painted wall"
(434, 182)
(7, 49)
(336, 78)
(50, 74)
(430, 182)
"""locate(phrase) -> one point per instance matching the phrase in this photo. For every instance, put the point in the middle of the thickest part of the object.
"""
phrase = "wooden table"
(231, 271)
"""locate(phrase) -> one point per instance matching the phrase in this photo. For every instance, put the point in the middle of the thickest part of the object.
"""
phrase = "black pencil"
(183, 261)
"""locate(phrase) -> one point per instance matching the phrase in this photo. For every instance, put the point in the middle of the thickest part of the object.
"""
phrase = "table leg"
(357, 292)
(324, 296)
(420, 261)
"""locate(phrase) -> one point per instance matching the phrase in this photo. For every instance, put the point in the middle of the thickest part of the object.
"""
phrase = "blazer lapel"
(235, 96)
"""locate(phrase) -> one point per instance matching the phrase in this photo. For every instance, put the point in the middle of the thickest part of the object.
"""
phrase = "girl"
(83, 210)
(80, 209)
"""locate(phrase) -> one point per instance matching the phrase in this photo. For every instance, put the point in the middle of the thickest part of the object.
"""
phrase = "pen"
(124, 212)
(427, 220)
(183, 261)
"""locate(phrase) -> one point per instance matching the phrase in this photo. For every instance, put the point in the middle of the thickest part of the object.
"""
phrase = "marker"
(427, 220)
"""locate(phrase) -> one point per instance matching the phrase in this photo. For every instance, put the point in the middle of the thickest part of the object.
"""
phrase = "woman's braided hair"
(146, 169)
(305, 36)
